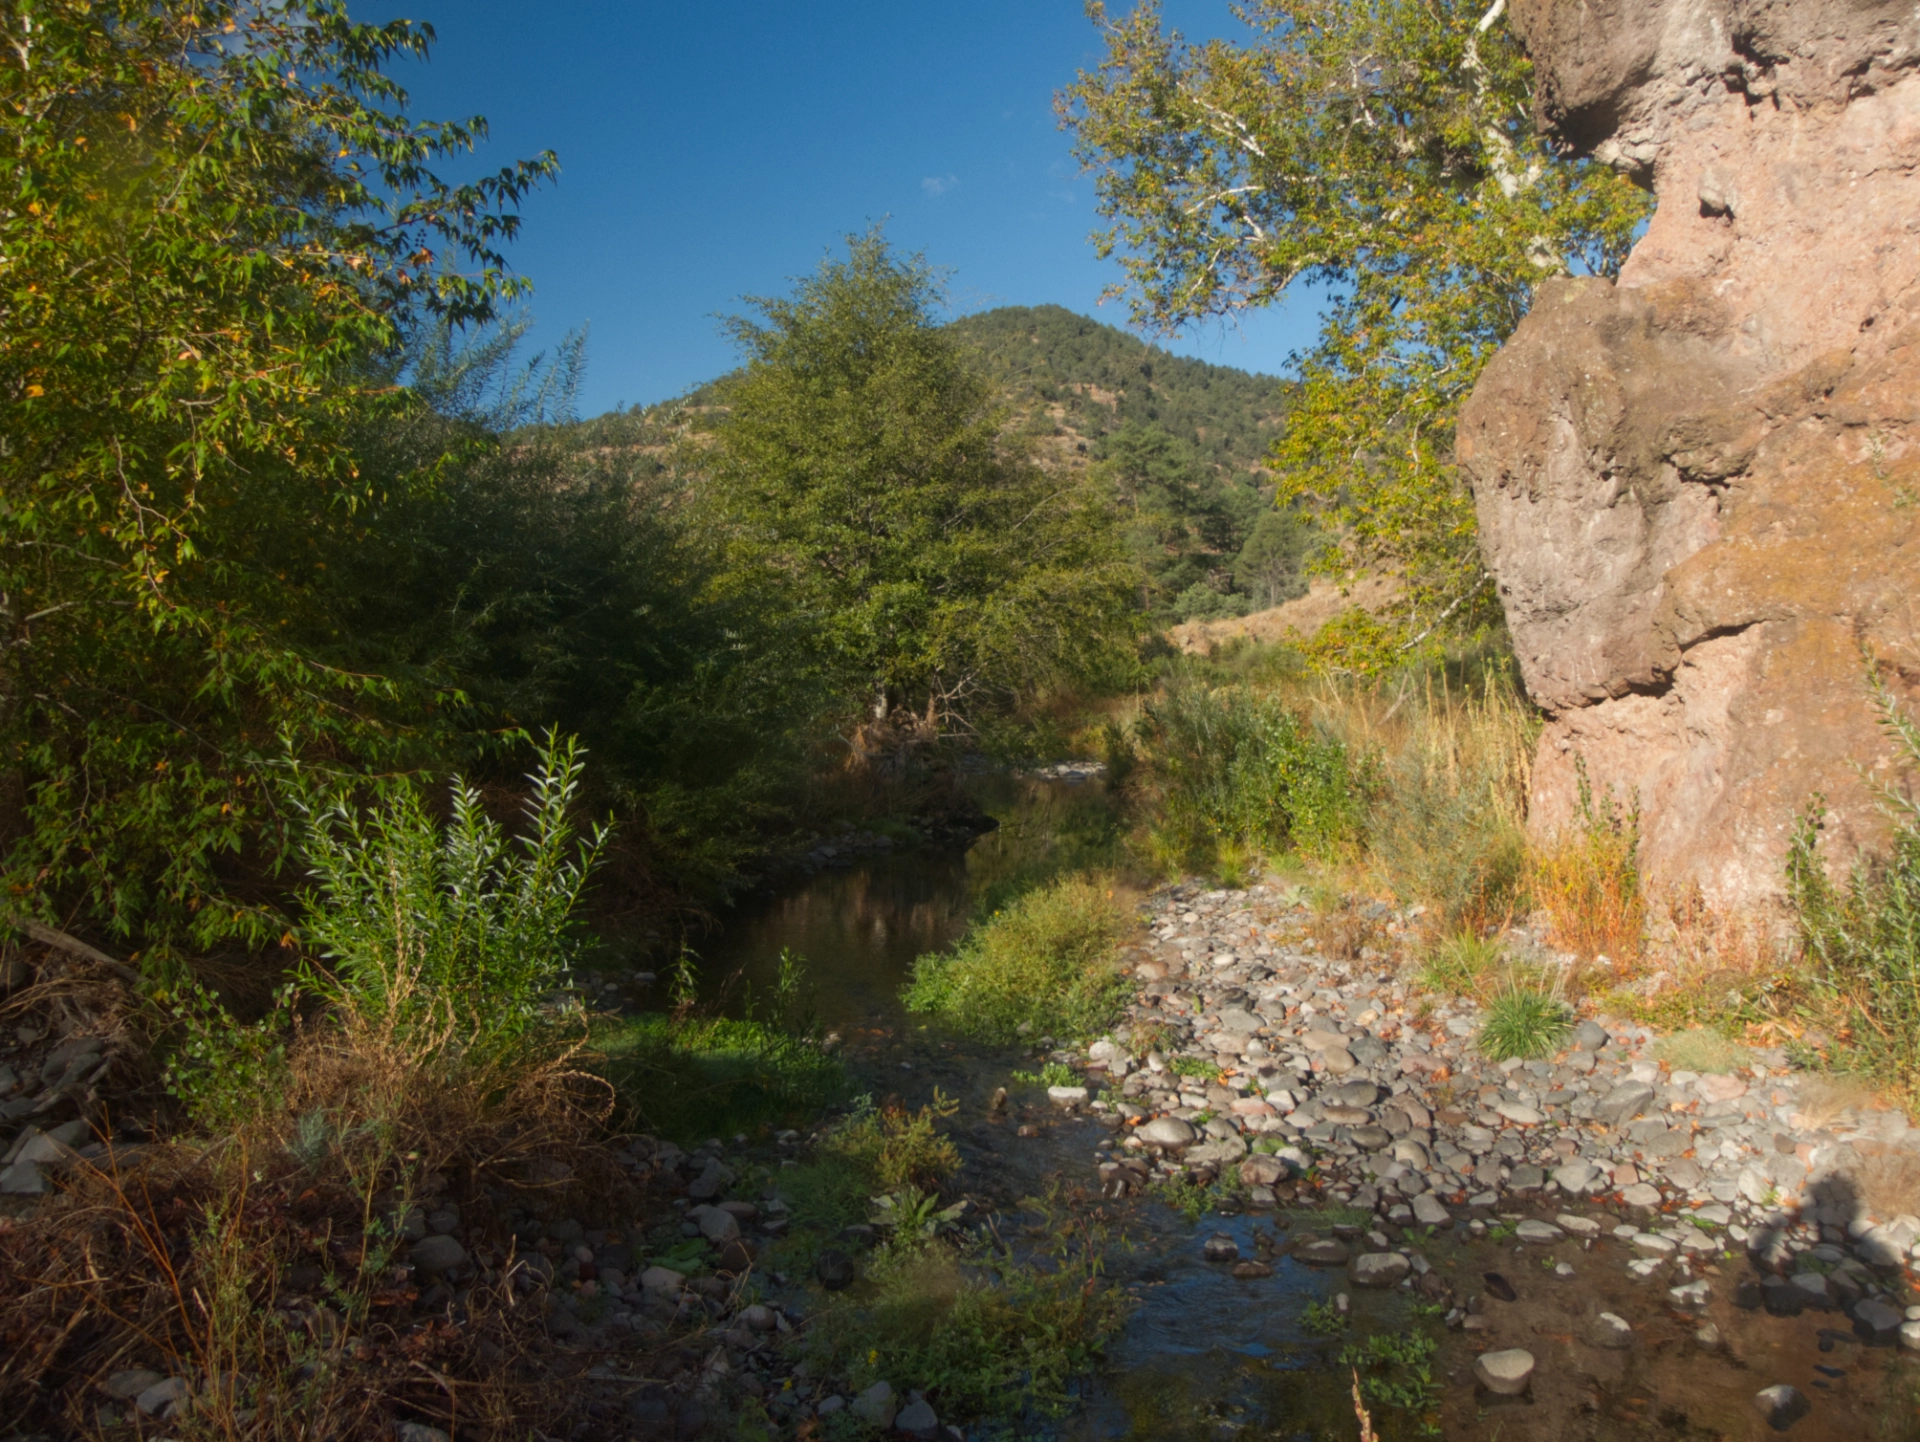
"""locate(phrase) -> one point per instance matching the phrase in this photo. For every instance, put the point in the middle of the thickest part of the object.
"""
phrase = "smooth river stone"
(1504, 1373)
(1321, 1252)
(1167, 1132)
(1379, 1269)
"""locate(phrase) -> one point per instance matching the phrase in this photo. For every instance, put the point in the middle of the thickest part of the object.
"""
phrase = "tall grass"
(1044, 964)
(1446, 820)
(1238, 772)
(1863, 936)
(1587, 879)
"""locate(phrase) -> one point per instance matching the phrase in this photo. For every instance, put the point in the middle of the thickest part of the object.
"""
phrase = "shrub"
(1588, 879)
(1236, 770)
(1524, 1023)
(1043, 965)
(460, 930)
(1864, 936)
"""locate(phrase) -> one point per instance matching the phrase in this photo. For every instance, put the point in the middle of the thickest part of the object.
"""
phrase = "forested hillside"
(1095, 379)
(1176, 446)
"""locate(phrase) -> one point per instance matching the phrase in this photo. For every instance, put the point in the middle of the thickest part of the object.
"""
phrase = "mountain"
(1092, 380)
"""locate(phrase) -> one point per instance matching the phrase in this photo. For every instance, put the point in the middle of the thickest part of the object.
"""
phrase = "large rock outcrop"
(1699, 488)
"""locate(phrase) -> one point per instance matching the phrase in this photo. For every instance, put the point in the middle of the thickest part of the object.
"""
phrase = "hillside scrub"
(1042, 965)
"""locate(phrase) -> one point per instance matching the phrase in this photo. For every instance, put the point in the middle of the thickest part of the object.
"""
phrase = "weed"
(990, 1334)
(1053, 1074)
(1461, 964)
(1194, 1066)
(1864, 937)
(1588, 880)
(457, 932)
(1043, 965)
(1523, 1023)
(1322, 1319)
(897, 1148)
(1191, 1199)
(1397, 1371)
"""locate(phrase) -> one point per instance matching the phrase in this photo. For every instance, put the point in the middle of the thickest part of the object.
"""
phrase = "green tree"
(219, 227)
(1383, 149)
(1270, 566)
(859, 462)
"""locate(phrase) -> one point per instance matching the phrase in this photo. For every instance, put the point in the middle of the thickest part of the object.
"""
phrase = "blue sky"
(714, 150)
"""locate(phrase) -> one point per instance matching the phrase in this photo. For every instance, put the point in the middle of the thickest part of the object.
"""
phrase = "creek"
(1206, 1355)
(1200, 1352)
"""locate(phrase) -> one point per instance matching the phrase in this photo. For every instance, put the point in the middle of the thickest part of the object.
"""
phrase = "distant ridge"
(1094, 378)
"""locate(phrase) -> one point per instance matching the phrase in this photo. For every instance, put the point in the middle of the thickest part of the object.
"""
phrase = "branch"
(73, 946)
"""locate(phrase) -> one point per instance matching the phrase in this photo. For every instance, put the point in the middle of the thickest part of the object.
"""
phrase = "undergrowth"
(1863, 935)
(258, 1256)
(992, 1331)
(1042, 965)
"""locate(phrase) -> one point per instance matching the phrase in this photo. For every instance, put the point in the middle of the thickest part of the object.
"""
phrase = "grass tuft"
(1462, 964)
(1524, 1023)
(1043, 965)
(1588, 880)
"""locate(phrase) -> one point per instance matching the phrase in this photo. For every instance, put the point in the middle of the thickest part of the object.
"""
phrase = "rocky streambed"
(1606, 1241)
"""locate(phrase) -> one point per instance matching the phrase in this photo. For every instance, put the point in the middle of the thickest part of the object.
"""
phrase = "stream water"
(1206, 1356)
(1203, 1355)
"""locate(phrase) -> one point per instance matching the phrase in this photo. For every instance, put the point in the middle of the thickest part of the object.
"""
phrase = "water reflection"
(859, 931)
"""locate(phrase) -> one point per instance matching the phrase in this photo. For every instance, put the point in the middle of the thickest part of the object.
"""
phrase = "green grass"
(1193, 1066)
(1524, 1023)
(691, 1078)
(1044, 965)
(1460, 964)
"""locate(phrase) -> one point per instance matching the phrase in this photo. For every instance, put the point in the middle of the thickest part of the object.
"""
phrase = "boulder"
(1692, 484)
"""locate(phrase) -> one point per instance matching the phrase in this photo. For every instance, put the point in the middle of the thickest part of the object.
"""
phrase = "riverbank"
(1695, 1238)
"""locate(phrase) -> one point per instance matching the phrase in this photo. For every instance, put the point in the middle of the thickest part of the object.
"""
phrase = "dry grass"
(1587, 881)
(262, 1266)
(1702, 1050)
(1825, 1100)
(1888, 1182)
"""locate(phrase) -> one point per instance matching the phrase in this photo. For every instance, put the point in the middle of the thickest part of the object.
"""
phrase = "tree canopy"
(858, 462)
(219, 226)
(1384, 150)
